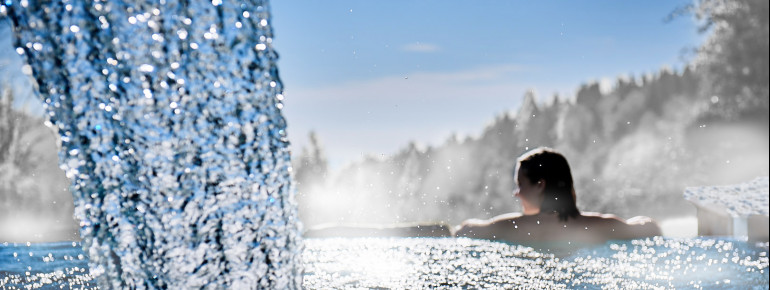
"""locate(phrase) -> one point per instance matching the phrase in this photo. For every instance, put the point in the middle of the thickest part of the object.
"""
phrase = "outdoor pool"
(336, 263)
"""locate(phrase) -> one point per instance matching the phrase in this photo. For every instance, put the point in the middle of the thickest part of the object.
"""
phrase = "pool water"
(458, 263)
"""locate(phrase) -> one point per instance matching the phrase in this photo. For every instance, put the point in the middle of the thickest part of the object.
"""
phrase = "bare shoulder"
(397, 230)
(487, 222)
(471, 228)
(484, 229)
(636, 227)
(506, 218)
(601, 216)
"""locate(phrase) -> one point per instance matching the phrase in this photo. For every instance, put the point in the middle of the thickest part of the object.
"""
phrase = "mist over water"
(629, 156)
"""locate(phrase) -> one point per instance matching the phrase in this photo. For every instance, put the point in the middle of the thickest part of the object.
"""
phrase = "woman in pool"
(550, 219)
(550, 216)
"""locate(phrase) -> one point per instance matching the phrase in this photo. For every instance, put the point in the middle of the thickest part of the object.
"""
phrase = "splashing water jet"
(172, 134)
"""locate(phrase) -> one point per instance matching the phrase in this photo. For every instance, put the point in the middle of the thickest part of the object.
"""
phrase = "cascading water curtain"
(171, 131)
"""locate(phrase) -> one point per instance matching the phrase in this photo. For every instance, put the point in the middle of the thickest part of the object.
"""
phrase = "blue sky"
(371, 76)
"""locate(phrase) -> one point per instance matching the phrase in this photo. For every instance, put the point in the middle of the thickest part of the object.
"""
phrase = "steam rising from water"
(632, 152)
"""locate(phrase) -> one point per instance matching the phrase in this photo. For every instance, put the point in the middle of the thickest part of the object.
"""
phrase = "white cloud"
(420, 47)
(478, 83)
(383, 114)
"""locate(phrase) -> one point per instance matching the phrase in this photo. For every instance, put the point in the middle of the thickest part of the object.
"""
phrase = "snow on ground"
(740, 200)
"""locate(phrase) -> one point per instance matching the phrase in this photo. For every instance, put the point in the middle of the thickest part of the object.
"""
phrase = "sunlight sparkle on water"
(465, 263)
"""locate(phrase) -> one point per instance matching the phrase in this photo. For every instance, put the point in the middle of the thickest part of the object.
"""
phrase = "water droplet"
(146, 68)
(26, 69)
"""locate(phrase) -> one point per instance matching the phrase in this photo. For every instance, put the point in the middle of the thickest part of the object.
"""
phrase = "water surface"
(468, 263)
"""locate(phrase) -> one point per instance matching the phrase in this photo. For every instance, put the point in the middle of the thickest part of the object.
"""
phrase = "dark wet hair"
(550, 166)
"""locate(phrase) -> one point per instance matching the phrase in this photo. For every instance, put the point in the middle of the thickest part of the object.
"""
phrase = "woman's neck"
(531, 212)
(529, 208)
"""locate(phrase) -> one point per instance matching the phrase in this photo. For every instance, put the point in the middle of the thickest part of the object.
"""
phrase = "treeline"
(632, 149)
(35, 202)
(473, 177)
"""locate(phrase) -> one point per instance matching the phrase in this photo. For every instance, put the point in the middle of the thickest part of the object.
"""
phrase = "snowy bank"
(739, 210)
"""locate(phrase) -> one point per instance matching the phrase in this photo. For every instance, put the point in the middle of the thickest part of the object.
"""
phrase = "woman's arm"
(618, 229)
(400, 230)
(473, 228)
(643, 226)
(491, 229)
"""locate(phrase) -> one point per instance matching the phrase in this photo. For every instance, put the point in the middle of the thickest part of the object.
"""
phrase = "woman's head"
(548, 170)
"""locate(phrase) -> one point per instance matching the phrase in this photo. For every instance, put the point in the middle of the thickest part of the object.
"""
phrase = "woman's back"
(547, 194)
(587, 228)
